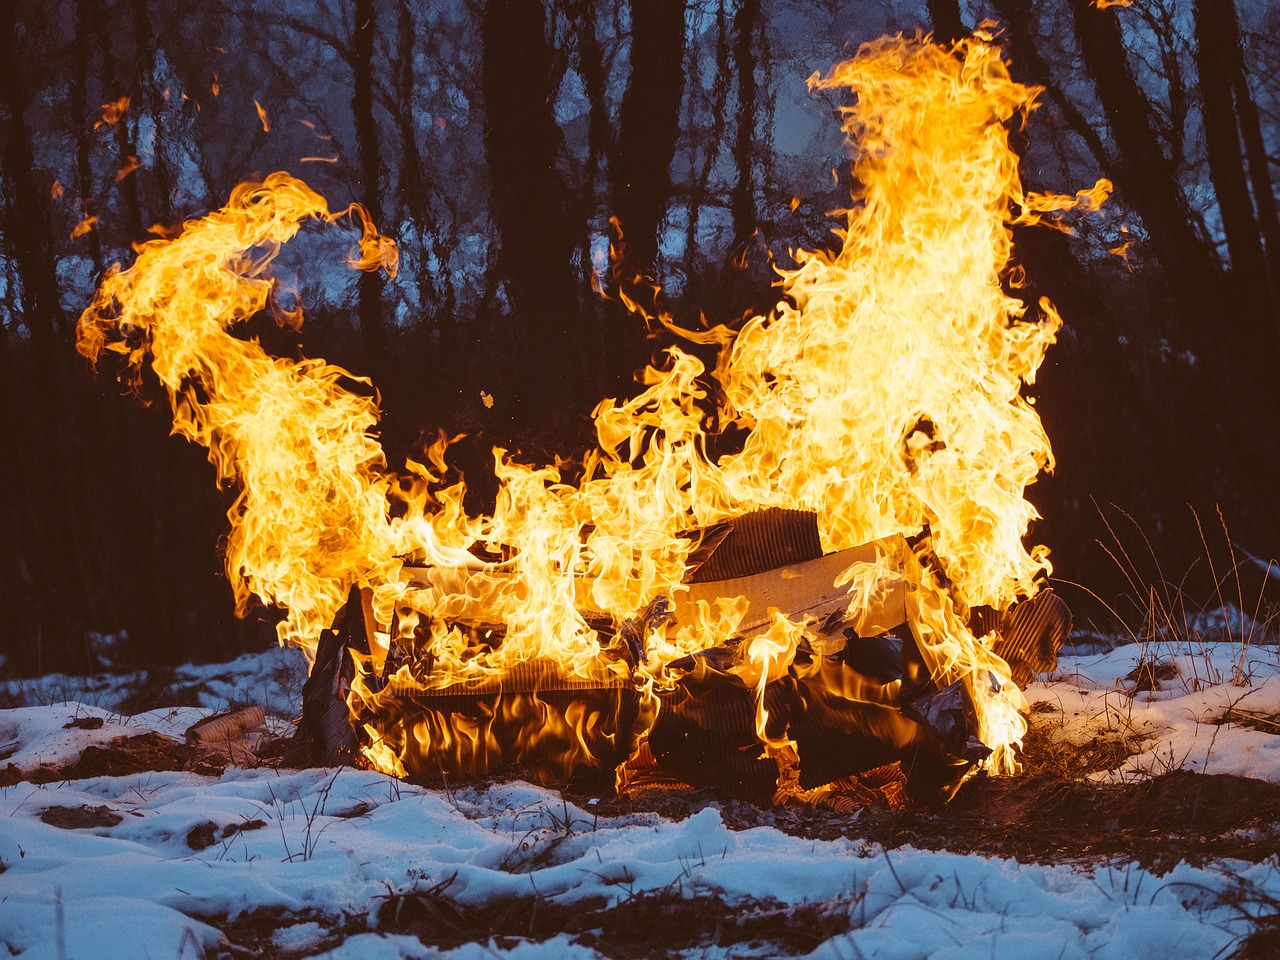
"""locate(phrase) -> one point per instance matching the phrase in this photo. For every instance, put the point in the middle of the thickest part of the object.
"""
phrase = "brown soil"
(126, 755)
(1047, 815)
(78, 818)
(1051, 815)
(1040, 818)
(646, 926)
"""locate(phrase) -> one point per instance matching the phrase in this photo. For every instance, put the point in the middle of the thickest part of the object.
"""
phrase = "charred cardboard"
(869, 702)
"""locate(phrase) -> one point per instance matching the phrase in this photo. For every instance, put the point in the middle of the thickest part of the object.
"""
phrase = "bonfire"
(841, 607)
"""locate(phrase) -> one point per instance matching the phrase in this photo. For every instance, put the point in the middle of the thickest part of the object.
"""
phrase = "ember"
(842, 608)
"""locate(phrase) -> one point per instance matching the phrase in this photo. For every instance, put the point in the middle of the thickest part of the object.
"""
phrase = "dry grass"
(1170, 624)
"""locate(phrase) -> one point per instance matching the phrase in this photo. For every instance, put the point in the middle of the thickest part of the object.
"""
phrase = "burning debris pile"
(843, 608)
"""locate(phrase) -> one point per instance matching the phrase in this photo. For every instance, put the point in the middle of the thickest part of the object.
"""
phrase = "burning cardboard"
(883, 395)
(856, 700)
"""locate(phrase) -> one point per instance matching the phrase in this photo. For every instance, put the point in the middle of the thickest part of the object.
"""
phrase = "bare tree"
(529, 206)
(649, 123)
(369, 161)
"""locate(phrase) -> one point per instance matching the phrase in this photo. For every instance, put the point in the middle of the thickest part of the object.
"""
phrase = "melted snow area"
(319, 844)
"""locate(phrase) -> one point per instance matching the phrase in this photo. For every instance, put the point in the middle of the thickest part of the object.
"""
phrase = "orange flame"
(312, 483)
(86, 224)
(112, 112)
(883, 392)
(132, 164)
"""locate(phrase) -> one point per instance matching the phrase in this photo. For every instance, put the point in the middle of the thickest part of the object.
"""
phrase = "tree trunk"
(126, 150)
(710, 144)
(369, 161)
(594, 81)
(529, 206)
(1250, 283)
(650, 121)
(1255, 148)
(742, 203)
(1027, 60)
(34, 478)
(415, 184)
(1238, 405)
(80, 105)
(948, 24)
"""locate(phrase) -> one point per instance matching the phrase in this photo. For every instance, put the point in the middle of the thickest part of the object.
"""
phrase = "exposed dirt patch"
(1177, 816)
(78, 818)
(1051, 814)
(206, 834)
(646, 926)
(1253, 719)
(84, 723)
(1044, 753)
(125, 755)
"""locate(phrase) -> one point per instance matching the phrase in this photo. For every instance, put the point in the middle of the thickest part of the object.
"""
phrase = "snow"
(318, 845)
(1174, 726)
(272, 680)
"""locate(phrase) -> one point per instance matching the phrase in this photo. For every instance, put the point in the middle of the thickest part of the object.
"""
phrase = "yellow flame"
(883, 392)
(112, 112)
(310, 515)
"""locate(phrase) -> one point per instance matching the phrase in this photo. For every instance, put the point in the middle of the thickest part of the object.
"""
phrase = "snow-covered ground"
(321, 845)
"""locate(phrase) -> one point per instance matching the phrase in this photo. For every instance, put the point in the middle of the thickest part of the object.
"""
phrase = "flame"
(297, 444)
(262, 116)
(112, 112)
(131, 164)
(87, 223)
(883, 392)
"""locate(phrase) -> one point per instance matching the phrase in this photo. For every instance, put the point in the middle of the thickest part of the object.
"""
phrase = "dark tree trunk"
(1255, 148)
(415, 185)
(594, 81)
(1108, 438)
(1250, 284)
(126, 151)
(26, 223)
(161, 176)
(948, 24)
(1027, 61)
(1238, 406)
(369, 161)
(649, 126)
(529, 207)
(640, 169)
(742, 204)
(1141, 171)
(34, 478)
(80, 102)
(710, 149)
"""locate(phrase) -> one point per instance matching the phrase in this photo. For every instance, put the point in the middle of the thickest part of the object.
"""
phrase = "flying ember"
(846, 593)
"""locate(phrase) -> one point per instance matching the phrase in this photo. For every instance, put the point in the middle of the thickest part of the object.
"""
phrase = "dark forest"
(503, 144)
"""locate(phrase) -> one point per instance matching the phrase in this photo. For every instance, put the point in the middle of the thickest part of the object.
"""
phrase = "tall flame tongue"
(883, 394)
(311, 513)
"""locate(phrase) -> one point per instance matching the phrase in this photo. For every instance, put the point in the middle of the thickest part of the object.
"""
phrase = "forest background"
(494, 141)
